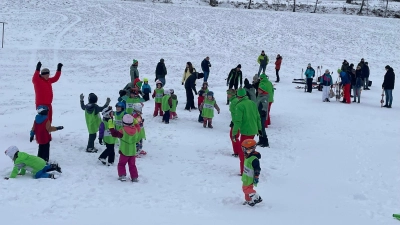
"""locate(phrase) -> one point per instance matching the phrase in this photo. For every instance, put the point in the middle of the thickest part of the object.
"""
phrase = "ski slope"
(329, 163)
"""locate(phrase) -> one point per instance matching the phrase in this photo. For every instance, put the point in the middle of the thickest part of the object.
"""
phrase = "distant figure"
(161, 72)
(263, 61)
(205, 66)
(388, 86)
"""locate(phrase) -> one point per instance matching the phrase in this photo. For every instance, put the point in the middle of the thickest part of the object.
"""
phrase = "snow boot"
(235, 155)
(205, 123)
(210, 123)
(135, 180)
(250, 203)
(256, 198)
(91, 150)
(265, 143)
(104, 161)
(122, 178)
(51, 176)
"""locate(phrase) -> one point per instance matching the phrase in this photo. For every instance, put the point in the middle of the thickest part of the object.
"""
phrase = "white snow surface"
(329, 163)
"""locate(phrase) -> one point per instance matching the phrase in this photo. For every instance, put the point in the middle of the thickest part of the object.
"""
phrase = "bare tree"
(294, 6)
(348, 1)
(361, 8)
(249, 4)
(387, 2)
(316, 4)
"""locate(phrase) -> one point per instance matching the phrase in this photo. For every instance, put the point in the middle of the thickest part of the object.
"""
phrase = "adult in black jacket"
(388, 86)
(161, 71)
(365, 75)
(235, 77)
(205, 66)
(190, 86)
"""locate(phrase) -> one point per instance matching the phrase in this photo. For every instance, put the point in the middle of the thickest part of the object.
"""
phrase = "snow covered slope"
(329, 163)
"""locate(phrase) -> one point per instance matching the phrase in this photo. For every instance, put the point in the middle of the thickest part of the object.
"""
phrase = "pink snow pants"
(131, 160)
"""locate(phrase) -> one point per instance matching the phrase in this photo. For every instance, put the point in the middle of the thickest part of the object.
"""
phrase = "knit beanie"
(239, 66)
(134, 61)
(210, 93)
(45, 71)
(255, 78)
(263, 77)
(241, 92)
(10, 152)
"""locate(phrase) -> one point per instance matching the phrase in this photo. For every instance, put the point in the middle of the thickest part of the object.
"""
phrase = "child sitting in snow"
(166, 106)
(105, 135)
(174, 104)
(146, 90)
(202, 93)
(42, 128)
(137, 114)
(119, 114)
(93, 119)
(158, 95)
(23, 162)
(133, 99)
(207, 109)
(129, 136)
(251, 172)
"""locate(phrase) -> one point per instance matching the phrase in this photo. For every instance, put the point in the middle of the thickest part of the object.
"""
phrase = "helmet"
(137, 107)
(146, 80)
(120, 104)
(42, 110)
(92, 98)
(167, 92)
(106, 113)
(10, 152)
(249, 146)
(158, 82)
(127, 120)
(210, 93)
(205, 83)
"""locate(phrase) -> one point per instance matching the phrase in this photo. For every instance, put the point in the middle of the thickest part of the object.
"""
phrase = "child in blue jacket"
(146, 90)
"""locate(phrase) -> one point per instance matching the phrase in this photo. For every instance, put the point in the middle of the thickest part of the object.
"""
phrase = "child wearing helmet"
(207, 109)
(42, 129)
(146, 90)
(119, 114)
(166, 106)
(137, 114)
(251, 172)
(157, 96)
(92, 118)
(122, 97)
(23, 162)
(202, 94)
(133, 98)
(174, 104)
(105, 135)
(129, 136)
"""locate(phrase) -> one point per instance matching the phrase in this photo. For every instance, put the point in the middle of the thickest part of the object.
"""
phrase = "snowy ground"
(329, 163)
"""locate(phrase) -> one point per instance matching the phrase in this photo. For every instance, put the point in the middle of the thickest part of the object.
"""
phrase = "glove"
(6, 178)
(60, 127)
(32, 135)
(255, 181)
(59, 66)
(108, 101)
(231, 125)
(38, 66)
(182, 83)
(101, 141)
(260, 133)
(110, 124)
(233, 138)
(218, 111)
(81, 97)
(195, 92)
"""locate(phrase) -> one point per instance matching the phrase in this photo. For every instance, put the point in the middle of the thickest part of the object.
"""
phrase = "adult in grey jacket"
(250, 90)
(161, 72)
(134, 71)
(262, 106)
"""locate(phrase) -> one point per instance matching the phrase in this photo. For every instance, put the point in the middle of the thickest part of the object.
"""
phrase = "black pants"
(92, 138)
(200, 117)
(44, 151)
(109, 152)
(166, 116)
(309, 84)
(189, 99)
(277, 75)
(146, 97)
(233, 84)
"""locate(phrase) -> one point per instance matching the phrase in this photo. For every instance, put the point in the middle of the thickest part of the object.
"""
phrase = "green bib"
(174, 104)
(108, 138)
(164, 105)
(129, 104)
(208, 108)
(128, 144)
(92, 122)
(118, 120)
(159, 95)
(248, 172)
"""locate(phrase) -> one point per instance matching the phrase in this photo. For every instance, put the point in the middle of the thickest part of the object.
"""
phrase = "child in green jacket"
(93, 119)
(23, 162)
(174, 105)
(207, 109)
(166, 105)
(251, 172)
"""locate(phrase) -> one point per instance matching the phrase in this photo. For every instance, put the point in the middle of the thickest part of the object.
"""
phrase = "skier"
(207, 109)
(388, 86)
(310, 74)
(231, 95)
(119, 114)
(251, 172)
(263, 61)
(41, 129)
(137, 114)
(92, 118)
(23, 162)
(104, 134)
(201, 94)
(326, 82)
(133, 98)
(146, 90)
(271, 91)
(278, 63)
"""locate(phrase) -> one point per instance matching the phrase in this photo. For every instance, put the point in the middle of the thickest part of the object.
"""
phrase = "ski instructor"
(42, 84)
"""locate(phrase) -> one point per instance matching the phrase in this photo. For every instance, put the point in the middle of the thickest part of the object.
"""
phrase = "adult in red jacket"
(43, 89)
(278, 63)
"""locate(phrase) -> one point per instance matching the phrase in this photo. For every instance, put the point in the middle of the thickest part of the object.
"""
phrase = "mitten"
(60, 127)
(108, 101)
(38, 66)
(32, 135)
(233, 138)
(59, 66)
(255, 181)
(81, 97)
(101, 141)
(182, 83)
(218, 111)
(6, 178)
(231, 125)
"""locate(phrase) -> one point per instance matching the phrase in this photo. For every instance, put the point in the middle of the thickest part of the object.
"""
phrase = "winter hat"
(387, 67)
(42, 110)
(137, 82)
(339, 70)
(122, 93)
(146, 80)
(255, 78)
(10, 152)
(120, 104)
(246, 82)
(92, 98)
(127, 120)
(239, 66)
(366, 63)
(167, 92)
(137, 107)
(241, 92)
(210, 93)
(106, 112)
(326, 71)
(263, 87)
(162, 60)
(159, 82)
(231, 92)
(45, 71)
(134, 61)
(309, 64)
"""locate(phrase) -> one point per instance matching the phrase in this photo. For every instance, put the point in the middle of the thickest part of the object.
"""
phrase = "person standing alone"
(278, 63)
(388, 86)
(263, 61)
(310, 74)
(205, 66)
(161, 72)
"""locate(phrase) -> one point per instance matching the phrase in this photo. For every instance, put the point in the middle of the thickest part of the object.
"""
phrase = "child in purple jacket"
(105, 135)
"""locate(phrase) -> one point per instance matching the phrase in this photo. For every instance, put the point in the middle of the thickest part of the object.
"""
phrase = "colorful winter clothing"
(146, 90)
(263, 61)
(270, 89)
(174, 105)
(234, 78)
(158, 95)
(250, 174)
(247, 119)
(130, 101)
(326, 79)
(166, 107)
(134, 72)
(41, 129)
(278, 63)
(25, 162)
(310, 72)
(118, 119)
(186, 75)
